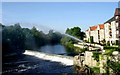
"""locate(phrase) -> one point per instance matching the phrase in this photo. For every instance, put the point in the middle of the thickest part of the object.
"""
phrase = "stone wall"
(89, 60)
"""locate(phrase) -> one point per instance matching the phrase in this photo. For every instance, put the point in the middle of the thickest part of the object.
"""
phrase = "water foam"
(55, 58)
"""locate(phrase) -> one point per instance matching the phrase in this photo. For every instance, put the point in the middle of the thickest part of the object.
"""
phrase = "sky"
(57, 15)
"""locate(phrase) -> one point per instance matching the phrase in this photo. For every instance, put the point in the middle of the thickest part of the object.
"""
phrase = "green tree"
(91, 39)
(13, 40)
(16, 39)
(76, 32)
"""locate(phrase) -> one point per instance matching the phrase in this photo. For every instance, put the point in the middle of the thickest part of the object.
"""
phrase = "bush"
(108, 44)
(86, 41)
(91, 39)
(95, 69)
(115, 66)
(96, 56)
(113, 44)
(117, 42)
(111, 47)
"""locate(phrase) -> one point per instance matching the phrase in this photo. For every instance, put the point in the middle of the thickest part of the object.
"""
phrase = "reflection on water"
(57, 49)
(53, 49)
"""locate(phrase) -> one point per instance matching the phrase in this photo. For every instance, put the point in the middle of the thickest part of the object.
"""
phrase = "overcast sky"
(58, 15)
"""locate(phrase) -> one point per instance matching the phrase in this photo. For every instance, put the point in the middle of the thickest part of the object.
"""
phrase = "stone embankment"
(89, 46)
(87, 59)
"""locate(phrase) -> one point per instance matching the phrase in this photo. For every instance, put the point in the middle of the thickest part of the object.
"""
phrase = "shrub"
(117, 42)
(113, 43)
(111, 47)
(85, 41)
(95, 69)
(108, 44)
(91, 39)
(96, 56)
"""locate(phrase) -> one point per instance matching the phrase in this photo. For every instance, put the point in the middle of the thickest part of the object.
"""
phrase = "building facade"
(97, 32)
(109, 31)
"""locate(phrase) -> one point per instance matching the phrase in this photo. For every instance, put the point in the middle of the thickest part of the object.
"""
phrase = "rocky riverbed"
(30, 64)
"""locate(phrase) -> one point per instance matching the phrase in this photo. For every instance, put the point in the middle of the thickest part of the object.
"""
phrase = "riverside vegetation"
(17, 39)
(67, 41)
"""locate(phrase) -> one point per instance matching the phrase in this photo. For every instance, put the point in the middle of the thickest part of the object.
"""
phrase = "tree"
(91, 39)
(54, 37)
(13, 40)
(16, 39)
(76, 32)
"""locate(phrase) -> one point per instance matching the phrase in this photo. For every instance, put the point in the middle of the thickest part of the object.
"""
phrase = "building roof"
(117, 12)
(87, 30)
(93, 28)
(101, 26)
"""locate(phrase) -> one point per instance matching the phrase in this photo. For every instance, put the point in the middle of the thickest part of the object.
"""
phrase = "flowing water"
(27, 64)
(31, 64)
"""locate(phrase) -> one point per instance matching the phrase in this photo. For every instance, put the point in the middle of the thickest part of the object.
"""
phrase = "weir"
(65, 60)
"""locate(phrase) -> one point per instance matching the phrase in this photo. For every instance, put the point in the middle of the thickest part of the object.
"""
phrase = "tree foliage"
(76, 32)
(13, 39)
(91, 39)
(68, 41)
(96, 56)
(16, 39)
(115, 66)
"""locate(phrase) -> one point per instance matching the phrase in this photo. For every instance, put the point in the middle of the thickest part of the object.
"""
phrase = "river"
(53, 49)
(57, 49)
(31, 64)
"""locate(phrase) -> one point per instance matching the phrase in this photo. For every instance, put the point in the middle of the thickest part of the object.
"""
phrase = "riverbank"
(24, 64)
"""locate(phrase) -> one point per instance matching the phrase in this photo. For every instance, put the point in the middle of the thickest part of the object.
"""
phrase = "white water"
(55, 58)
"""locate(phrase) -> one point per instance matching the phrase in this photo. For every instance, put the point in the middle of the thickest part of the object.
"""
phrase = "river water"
(53, 49)
(57, 49)
(31, 64)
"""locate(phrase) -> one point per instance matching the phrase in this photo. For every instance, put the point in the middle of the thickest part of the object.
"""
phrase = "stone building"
(110, 30)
